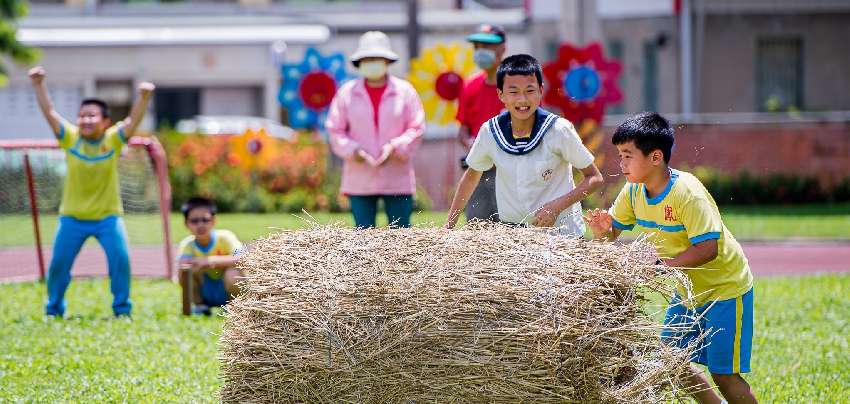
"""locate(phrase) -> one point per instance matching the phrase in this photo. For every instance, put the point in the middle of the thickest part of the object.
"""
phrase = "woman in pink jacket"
(375, 125)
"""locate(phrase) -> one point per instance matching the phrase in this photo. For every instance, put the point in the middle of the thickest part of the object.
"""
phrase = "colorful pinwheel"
(438, 77)
(309, 86)
(582, 82)
(252, 150)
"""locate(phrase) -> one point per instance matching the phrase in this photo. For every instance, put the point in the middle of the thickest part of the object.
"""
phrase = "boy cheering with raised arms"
(91, 199)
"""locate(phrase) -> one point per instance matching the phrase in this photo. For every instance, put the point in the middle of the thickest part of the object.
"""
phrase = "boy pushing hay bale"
(486, 313)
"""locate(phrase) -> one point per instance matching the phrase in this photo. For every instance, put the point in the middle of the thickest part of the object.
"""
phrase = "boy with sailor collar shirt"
(534, 152)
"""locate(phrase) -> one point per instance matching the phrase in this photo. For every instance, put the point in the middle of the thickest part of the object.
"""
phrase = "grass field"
(746, 223)
(799, 355)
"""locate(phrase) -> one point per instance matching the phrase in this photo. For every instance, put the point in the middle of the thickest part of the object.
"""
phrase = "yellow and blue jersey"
(92, 190)
(223, 242)
(683, 214)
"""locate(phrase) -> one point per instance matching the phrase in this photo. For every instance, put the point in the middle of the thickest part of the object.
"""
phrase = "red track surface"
(20, 264)
(766, 258)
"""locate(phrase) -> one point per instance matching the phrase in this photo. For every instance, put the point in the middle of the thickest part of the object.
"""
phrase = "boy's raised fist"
(146, 88)
(37, 74)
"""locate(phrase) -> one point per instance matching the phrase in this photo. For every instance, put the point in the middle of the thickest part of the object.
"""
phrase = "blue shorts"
(213, 292)
(729, 325)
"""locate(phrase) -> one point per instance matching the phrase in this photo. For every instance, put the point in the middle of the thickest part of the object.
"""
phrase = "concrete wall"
(633, 33)
(728, 72)
(245, 67)
(726, 68)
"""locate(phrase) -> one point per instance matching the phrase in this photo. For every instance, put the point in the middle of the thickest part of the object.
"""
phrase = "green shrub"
(744, 188)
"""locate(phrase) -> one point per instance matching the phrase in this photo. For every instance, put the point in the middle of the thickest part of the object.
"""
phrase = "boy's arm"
(221, 261)
(696, 255)
(465, 188)
(548, 214)
(704, 227)
(601, 225)
(37, 75)
(607, 225)
(233, 245)
(210, 263)
(137, 111)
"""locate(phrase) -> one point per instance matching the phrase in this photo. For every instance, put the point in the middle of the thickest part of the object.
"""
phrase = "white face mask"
(373, 70)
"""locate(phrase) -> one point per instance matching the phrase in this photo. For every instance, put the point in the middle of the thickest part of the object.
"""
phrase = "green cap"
(487, 33)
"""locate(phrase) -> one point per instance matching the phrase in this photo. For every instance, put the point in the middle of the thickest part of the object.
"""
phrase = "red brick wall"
(817, 149)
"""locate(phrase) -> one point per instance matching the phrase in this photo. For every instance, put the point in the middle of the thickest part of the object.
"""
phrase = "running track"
(18, 264)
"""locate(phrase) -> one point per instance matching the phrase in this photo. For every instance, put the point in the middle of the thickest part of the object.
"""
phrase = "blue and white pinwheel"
(309, 87)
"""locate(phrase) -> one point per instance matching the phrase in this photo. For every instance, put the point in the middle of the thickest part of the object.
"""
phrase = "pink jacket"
(351, 126)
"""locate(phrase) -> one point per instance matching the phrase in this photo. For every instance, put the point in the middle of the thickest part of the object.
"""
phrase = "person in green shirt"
(91, 200)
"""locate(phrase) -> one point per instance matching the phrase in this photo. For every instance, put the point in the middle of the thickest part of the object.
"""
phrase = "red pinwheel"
(582, 82)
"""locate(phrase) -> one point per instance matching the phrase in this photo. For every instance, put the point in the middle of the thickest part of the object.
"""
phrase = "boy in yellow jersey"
(91, 200)
(689, 235)
(210, 254)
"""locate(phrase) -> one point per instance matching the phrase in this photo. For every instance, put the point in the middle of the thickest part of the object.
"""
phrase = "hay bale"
(485, 313)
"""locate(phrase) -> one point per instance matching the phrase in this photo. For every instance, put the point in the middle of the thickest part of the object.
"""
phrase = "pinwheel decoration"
(309, 87)
(582, 82)
(438, 76)
(253, 150)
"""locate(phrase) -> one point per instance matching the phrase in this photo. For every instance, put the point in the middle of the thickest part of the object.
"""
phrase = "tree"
(10, 12)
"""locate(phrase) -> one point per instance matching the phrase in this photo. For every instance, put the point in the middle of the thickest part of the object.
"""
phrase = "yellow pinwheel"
(438, 76)
(253, 150)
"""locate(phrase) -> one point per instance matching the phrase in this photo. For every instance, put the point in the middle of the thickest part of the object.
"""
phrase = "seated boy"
(534, 152)
(689, 235)
(210, 254)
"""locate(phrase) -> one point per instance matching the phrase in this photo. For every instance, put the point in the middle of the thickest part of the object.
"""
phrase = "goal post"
(31, 179)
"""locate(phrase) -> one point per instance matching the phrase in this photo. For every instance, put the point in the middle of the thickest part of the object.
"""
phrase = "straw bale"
(487, 313)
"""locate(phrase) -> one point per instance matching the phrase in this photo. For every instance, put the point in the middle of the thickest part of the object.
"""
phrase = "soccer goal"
(31, 179)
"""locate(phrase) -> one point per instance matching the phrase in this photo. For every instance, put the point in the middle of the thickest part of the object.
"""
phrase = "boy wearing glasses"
(210, 254)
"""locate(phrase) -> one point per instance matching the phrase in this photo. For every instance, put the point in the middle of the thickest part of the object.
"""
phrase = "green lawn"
(799, 355)
(146, 229)
(746, 223)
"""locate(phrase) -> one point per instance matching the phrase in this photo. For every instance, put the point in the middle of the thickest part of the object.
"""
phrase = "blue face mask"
(484, 58)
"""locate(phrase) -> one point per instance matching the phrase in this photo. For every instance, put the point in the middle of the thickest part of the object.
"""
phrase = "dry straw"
(487, 313)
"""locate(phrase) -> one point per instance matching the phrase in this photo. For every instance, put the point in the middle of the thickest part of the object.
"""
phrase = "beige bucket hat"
(373, 44)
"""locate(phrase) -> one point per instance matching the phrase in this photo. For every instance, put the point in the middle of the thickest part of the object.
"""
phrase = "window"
(779, 74)
(173, 104)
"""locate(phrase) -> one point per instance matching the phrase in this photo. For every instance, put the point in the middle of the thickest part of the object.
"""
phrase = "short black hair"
(198, 202)
(518, 65)
(649, 131)
(104, 109)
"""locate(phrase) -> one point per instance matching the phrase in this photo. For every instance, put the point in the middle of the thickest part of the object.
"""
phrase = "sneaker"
(202, 309)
